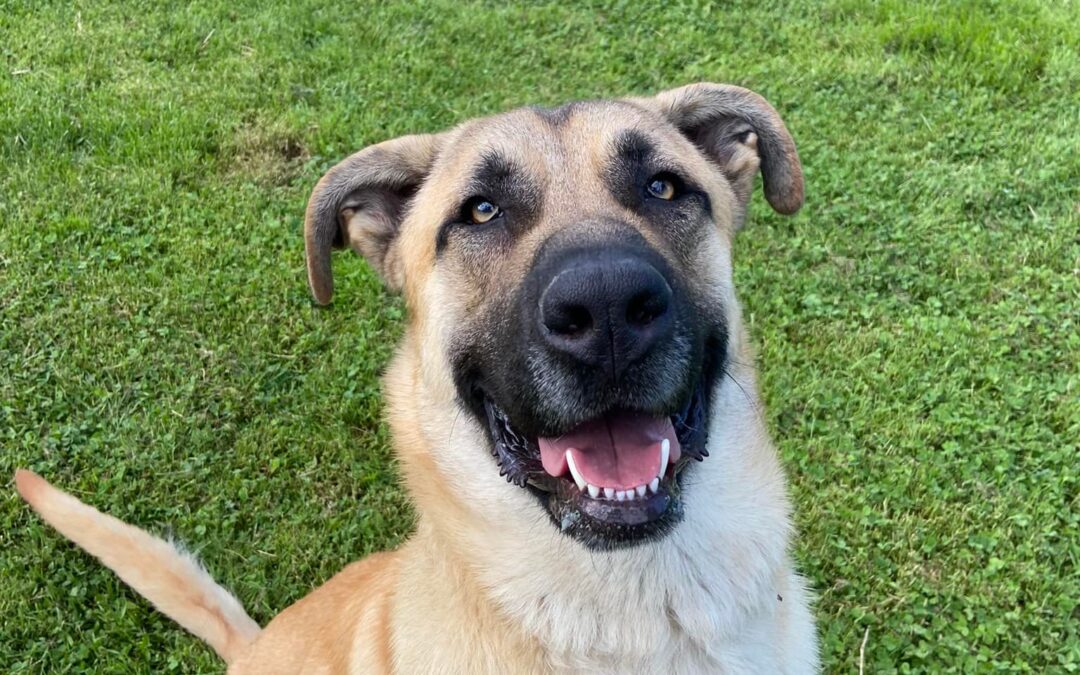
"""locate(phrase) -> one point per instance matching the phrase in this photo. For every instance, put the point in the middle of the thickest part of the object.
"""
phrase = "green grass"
(918, 321)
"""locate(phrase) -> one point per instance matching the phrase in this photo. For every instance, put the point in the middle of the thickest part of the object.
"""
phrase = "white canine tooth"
(665, 453)
(609, 493)
(655, 485)
(574, 471)
(641, 490)
(620, 495)
(594, 491)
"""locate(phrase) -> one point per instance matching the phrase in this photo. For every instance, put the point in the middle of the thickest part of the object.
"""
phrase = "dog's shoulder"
(352, 608)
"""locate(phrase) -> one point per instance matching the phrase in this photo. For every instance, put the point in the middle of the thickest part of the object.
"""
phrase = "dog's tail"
(169, 578)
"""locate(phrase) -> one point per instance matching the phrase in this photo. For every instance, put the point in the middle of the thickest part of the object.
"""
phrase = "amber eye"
(480, 211)
(662, 186)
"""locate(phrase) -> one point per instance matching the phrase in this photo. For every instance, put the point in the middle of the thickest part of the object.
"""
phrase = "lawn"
(918, 323)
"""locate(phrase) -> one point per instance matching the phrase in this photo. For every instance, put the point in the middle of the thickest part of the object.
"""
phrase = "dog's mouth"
(613, 480)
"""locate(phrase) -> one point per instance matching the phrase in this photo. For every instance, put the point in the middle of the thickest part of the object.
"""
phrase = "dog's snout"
(606, 310)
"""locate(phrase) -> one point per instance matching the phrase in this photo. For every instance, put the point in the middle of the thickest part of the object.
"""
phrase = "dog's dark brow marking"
(494, 171)
(633, 147)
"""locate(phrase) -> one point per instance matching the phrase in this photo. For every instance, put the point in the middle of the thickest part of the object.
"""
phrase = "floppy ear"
(360, 203)
(738, 130)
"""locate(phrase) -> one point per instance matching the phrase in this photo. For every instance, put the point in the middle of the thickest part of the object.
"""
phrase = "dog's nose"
(606, 311)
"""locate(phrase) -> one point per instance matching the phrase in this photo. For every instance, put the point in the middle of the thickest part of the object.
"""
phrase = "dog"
(573, 405)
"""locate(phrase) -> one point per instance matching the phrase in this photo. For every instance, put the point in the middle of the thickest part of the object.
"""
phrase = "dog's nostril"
(645, 307)
(569, 320)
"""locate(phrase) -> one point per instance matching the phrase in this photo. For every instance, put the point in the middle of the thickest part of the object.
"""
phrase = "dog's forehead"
(573, 140)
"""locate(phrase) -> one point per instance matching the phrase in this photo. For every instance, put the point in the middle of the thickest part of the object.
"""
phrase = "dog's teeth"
(581, 484)
(665, 453)
(655, 485)
(641, 490)
(594, 491)
(620, 495)
(609, 493)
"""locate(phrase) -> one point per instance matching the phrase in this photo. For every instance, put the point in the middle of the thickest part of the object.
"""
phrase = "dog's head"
(568, 279)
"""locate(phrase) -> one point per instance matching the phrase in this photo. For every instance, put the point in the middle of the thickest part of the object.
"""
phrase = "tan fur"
(170, 579)
(487, 584)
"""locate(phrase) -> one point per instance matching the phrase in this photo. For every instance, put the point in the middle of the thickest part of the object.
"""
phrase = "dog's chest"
(660, 626)
(659, 637)
(679, 654)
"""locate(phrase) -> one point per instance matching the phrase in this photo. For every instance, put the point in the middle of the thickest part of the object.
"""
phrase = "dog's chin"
(612, 481)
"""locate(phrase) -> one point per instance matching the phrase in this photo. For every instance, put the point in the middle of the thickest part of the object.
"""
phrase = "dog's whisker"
(749, 398)
(453, 423)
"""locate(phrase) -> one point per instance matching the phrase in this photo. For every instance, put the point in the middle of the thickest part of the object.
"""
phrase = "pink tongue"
(620, 451)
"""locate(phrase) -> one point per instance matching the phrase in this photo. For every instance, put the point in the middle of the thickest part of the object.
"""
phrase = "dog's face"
(568, 277)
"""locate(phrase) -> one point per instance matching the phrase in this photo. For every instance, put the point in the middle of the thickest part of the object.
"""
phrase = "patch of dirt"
(267, 154)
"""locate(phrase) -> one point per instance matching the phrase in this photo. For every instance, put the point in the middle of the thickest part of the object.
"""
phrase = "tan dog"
(573, 405)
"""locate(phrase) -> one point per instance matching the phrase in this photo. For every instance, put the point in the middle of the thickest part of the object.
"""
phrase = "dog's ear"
(360, 203)
(738, 130)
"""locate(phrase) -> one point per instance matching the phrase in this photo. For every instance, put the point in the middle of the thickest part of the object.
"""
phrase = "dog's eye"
(479, 211)
(663, 186)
